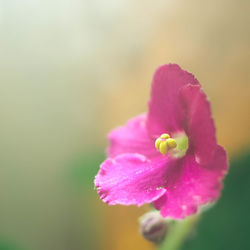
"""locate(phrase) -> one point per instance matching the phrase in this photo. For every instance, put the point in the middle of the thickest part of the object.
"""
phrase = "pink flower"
(169, 156)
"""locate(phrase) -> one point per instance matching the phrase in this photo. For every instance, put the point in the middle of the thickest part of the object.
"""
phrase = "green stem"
(178, 233)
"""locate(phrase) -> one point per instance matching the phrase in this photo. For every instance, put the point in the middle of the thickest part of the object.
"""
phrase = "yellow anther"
(164, 143)
(163, 147)
(157, 143)
(164, 136)
(171, 143)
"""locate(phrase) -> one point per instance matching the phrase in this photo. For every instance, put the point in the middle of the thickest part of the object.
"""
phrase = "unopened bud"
(153, 227)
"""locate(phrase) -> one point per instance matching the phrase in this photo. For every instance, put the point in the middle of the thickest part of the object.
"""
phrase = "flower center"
(164, 143)
(176, 146)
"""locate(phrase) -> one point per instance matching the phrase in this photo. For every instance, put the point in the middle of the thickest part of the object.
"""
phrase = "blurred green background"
(71, 70)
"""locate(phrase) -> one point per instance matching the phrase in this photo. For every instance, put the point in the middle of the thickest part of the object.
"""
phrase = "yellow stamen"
(164, 136)
(165, 143)
(157, 143)
(163, 147)
(171, 143)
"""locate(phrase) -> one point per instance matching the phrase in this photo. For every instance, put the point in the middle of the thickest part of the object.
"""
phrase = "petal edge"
(164, 113)
(131, 179)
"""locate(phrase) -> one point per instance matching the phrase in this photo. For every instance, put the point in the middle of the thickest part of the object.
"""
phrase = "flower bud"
(153, 226)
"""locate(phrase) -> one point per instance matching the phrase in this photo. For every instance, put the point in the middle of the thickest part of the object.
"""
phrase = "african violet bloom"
(169, 156)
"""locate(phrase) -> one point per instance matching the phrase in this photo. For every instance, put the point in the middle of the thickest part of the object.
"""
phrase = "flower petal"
(132, 138)
(164, 114)
(192, 185)
(132, 179)
(200, 127)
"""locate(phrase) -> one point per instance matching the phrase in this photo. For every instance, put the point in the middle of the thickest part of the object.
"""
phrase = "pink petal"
(200, 127)
(192, 185)
(132, 138)
(132, 179)
(165, 114)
